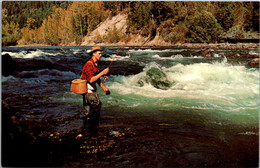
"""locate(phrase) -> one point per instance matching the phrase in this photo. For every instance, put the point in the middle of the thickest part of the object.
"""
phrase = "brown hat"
(93, 49)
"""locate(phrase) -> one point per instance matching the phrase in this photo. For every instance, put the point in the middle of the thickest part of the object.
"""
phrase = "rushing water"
(165, 85)
(211, 87)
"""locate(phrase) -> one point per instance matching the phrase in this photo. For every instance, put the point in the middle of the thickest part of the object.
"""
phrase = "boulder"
(253, 63)
(157, 78)
(9, 66)
(206, 52)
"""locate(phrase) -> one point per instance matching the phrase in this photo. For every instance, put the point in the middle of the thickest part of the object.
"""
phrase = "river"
(169, 106)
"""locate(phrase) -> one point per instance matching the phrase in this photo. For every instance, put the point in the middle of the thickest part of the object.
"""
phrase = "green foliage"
(98, 38)
(113, 36)
(140, 16)
(203, 27)
(174, 34)
(64, 22)
(10, 33)
(79, 27)
(19, 11)
(115, 7)
(249, 16)
(85, 18)
(225, 14)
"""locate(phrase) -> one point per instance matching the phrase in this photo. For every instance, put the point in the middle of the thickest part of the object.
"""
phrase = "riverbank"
(246, 46)
(249, 46)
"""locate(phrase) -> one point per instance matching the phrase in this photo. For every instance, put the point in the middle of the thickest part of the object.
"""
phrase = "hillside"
(116, 22)
(120, 23)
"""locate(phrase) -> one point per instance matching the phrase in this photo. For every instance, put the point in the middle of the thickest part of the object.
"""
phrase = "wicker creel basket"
(79, 86)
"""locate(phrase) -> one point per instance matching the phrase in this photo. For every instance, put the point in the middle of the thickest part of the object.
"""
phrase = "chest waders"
(91, 109)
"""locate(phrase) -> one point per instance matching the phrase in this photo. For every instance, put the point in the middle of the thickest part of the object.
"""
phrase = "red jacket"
(89, 70)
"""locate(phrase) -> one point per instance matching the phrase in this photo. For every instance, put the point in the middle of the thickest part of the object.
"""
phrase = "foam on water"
(152, 50)
(37, 55)
(178, 56)
(16, 55)
(216, 87)
(31, 54)
(191, 84)
(8, 78)
(118, 58)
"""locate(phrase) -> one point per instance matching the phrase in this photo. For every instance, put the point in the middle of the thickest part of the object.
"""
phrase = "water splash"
(218, 88)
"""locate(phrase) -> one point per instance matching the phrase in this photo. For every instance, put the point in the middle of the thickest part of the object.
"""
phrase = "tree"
(203, 27)
(10, 33)
(224, 13)
(140, 16)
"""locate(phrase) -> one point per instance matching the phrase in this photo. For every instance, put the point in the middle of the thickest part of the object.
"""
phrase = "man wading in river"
(91, 102)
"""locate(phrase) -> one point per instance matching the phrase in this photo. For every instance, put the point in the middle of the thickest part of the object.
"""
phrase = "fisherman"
(91, 101)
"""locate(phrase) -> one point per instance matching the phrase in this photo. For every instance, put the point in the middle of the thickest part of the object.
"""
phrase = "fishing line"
(128, 42)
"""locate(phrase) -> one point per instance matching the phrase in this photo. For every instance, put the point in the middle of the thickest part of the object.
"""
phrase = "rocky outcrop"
(119, 22)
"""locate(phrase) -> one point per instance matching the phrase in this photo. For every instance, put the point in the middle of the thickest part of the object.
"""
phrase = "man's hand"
(107, 92)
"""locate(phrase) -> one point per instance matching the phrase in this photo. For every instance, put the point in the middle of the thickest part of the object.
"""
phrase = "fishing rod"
(128, 42)
(190, 31)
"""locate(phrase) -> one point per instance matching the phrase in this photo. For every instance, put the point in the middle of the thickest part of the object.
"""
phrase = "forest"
(65, 22)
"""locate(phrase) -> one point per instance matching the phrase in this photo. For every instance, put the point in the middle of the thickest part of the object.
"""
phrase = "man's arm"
(98, 76)
(101, 84)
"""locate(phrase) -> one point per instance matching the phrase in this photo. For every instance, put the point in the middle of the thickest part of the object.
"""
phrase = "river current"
(169, 86)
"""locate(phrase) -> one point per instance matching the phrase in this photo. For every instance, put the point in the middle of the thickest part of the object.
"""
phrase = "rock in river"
(253, 63)
(9, 65)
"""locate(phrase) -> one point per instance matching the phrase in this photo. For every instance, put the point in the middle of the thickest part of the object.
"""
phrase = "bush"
(177, 34)
(98, 38)
(10, 33)
(203, 27)
(114, 36)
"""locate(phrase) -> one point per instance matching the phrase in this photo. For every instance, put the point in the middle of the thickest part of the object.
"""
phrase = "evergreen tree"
(64, 22)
